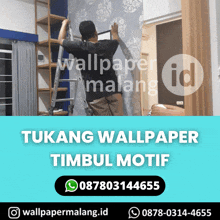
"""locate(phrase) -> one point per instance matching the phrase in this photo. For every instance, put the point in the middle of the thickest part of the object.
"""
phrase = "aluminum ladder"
(57, 80)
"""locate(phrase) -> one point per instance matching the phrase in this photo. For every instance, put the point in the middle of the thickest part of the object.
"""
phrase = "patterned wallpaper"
(129, 15)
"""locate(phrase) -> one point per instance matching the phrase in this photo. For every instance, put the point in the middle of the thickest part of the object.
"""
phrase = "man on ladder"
(101, 84)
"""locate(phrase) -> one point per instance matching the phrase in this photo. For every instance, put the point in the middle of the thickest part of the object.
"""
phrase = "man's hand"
(114, 29)
(66, 21)
(114, 32)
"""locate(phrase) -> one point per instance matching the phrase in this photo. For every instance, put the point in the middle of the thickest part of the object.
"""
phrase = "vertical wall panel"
(196, 42)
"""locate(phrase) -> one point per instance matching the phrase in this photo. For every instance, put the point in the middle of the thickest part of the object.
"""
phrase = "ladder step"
(68, 80)
(64, 100)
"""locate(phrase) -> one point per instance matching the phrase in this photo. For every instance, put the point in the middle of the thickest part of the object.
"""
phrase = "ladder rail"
(58, 80)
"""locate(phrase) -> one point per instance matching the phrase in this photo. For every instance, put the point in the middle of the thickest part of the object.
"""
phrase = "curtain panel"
(24, 88)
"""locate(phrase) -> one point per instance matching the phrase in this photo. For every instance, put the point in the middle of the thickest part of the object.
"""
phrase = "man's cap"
(87, 29)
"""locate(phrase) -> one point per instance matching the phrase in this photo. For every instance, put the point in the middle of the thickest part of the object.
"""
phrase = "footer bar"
(109, 210)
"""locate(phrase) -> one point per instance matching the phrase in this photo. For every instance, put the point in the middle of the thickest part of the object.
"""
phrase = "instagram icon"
(14, 213)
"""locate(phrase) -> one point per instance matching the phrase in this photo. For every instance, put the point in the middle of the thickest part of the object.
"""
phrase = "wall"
(149, 46)
(104, 13)
(60, 7)
(17, 15)
(218, 26)
(215, 53)
(43, 76)
(160, 10)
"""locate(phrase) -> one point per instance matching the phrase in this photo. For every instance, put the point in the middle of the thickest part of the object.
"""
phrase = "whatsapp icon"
(71, 186)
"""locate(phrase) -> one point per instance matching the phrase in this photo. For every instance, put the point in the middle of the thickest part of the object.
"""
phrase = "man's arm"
(114, 32)
(109, 47)
(63, 31)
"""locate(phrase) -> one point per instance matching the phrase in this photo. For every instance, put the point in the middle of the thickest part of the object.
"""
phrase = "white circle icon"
(183, 75)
